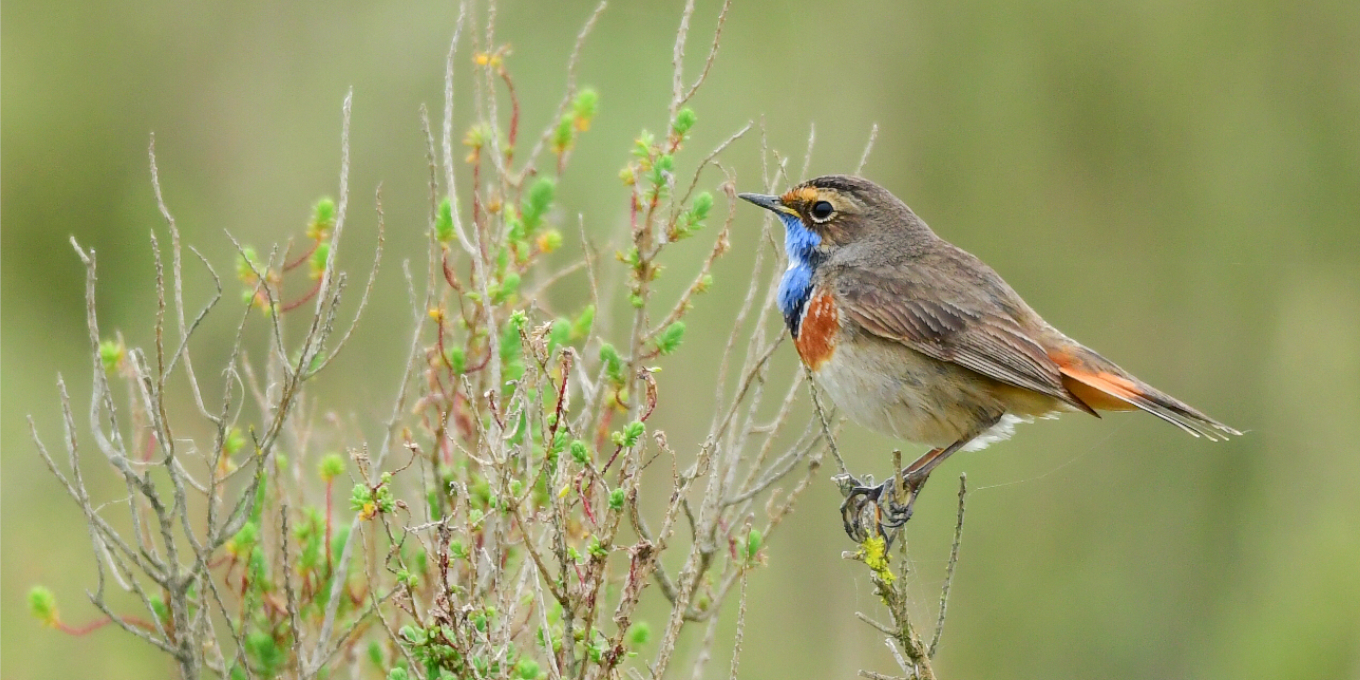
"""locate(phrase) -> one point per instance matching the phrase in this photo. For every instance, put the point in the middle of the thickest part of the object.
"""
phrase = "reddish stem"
(300, 301)
(449, 276)
(612, 458)
(514, 117)
(302, 259)
(100, 623)
(585, 501)
(85, 629)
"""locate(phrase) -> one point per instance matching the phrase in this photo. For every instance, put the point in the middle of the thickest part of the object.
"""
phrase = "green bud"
(753, 542)
(443, 222)
(510, 284)
(639, 633)
(642, 146)
(42, 604)
(158, 607)
(317, 262)
(244, 260)
(684, 121)
(559, 334)
(537, 201)
(633, 433)
(234, 441)
(613, 363)
(701, 204)
(580, 452)
(111, 354)
(457, 359)
(550, 240)
(597, 549)
(669, 339)
(527, 669)
(586, 104)
(580, 328)
(616, 498)
(359, 497)
(564, 134)
(332, 466)
(323, 218)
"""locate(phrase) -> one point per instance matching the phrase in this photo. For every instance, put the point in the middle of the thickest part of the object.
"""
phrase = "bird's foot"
(880, 507)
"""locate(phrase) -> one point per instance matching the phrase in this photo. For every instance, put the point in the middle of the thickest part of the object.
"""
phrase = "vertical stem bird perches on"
(913, 654)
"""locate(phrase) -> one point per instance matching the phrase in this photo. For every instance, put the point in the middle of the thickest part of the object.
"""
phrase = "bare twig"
(949, 572)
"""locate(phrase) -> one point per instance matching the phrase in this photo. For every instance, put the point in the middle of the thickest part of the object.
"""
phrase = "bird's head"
(827, 212)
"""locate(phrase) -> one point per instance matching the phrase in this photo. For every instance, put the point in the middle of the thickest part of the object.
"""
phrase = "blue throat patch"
(800, 243)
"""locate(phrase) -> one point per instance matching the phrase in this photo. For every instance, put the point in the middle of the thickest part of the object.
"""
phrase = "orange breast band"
(816, 340)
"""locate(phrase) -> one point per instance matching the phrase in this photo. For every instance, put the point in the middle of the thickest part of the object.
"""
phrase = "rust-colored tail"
(1102, 385)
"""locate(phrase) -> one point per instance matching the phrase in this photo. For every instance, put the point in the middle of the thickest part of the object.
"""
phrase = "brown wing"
(977, 333)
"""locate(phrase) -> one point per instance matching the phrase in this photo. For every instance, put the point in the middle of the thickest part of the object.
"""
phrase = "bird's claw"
(888, 515)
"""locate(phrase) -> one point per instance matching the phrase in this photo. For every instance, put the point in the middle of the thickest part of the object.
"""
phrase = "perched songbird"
(915, 338)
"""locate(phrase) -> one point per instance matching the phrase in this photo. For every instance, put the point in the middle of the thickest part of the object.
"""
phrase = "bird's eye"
(821, 211)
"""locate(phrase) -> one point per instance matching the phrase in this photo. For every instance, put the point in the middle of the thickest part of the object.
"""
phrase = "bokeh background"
(1174, 183)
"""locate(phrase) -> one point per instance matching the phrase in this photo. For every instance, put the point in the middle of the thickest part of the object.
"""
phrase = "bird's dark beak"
(771, 203)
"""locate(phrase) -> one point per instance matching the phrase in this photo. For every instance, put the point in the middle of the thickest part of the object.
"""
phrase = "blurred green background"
(1174, 183)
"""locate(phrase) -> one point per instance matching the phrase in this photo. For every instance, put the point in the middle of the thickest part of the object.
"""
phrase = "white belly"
(896, 391)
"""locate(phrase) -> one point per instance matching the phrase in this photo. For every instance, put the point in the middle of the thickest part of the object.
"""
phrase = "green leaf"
(42, 604)
(580, 452)
(580, 328)
(265, 651)
(559, 334)
(753, 543)
(633, 432)
(244, 260)
(586, 104)
(537, 201)
(457, 359)
(642, 146)
(613, 363)
(443, 222)
(508, 288)
(323, 218)
(639, 633)
(669, 339)
(684, 121)
(332, 466)
(527, 669)
(111, 354)
(324, 211)
(564, 134)
(317, 262)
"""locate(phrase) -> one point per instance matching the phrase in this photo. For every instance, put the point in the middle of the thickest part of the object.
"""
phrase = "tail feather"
(1102, 385)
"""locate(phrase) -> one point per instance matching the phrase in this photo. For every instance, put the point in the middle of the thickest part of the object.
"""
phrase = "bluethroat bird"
(915, 338)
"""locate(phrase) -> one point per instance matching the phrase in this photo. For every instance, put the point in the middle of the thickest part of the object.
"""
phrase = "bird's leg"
(893, 514)
(889, 514)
